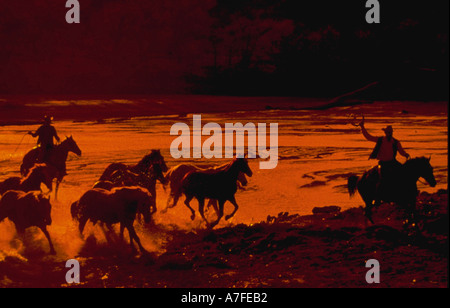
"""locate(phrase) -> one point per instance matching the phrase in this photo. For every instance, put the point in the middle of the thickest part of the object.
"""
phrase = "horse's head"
(71, 145)
(423, 169)
(145, 204)
(158, 174)
(139, 198)
(152, 159)
(242, 165)
(242, 179)
(45, 208)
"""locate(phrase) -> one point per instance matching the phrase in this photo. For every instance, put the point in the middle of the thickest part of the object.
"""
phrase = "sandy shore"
(319, 250)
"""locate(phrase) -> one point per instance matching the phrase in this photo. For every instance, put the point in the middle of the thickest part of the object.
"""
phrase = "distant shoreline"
(29, 110)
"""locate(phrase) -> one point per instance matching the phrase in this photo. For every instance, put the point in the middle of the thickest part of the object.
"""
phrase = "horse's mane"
(231, 164)
(415, 161)
(34, 171)
(147, 159)
(65, 140)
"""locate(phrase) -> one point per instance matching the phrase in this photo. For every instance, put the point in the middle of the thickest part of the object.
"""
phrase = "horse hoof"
(53, 252)
(192, 217)
(145, 252)
(370, 219)
(228, 217)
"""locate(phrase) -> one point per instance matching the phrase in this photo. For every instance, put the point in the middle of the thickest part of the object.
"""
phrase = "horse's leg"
(56, 189)
(133, 249)
(213, 203)
(134, 236)
(175, 198)
(201, 207)
(186, 202)
(122, 228)
(168, 201)
(47, 235)
(368, 209)
(220, 214)
(82, 223)
(233, 201)
(412, 211)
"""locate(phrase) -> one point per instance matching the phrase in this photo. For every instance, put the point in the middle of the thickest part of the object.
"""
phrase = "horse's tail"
(352, 185)
(178, 190)
(3, 212)
(74, 210)
(167, 177)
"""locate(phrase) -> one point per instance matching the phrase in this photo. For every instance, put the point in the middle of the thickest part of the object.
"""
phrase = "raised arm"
(366, 133)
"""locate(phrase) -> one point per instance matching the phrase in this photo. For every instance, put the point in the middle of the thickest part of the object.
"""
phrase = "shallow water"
(317, 152)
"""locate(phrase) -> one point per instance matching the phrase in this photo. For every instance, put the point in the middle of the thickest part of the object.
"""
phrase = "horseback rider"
(46, 132)
(385, 151)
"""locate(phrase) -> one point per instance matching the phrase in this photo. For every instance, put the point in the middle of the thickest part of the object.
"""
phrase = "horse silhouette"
(120, 205)
(403, 193)
(220, 185)
(27, 209)
(40, 173)
(56, 158)
(145, 173)
(176, 174)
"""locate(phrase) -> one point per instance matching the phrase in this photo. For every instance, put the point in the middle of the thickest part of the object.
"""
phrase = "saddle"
(388, 176)
(43, 153)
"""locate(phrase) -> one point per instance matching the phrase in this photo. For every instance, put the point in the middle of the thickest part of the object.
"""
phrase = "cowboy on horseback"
(385, 151)
(46, 132)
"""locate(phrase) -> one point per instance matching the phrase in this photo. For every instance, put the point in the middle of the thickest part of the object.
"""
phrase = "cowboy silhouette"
(385, 151)
(46, 132)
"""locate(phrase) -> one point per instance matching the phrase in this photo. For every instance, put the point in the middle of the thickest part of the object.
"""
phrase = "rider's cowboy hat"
(48, 119)
(388, 129)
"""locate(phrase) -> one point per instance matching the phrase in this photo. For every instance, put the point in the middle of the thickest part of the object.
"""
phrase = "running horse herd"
(124, 191)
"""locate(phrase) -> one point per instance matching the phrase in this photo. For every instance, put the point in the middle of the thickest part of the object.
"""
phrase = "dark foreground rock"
(327, 249)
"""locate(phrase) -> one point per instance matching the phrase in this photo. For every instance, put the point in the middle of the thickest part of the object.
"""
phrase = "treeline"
(326, 48)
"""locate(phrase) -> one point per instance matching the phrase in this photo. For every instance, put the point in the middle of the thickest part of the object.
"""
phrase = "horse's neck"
(411, 171)
(140, 167)
(61, 151)
(58, 157)
(232, 171)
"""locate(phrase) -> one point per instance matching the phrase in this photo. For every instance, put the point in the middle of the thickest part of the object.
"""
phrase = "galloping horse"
(220, 185)
(176, 174)
(27, 210)
(126, 178)
(57, 158)
(144, 173)
(40, 173)
(120, 205)
(404, 193)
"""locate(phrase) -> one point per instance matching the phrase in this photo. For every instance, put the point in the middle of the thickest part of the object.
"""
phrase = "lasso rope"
(17, 147)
